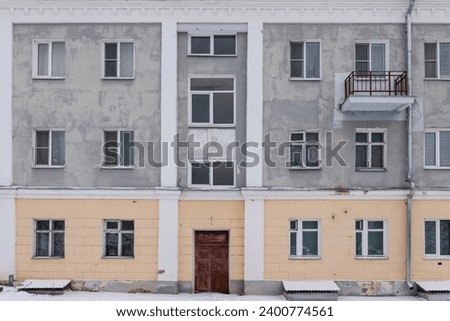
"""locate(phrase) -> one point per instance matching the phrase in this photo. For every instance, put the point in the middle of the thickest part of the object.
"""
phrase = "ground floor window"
(304, 238)
(49, 238)
(370, 238)
(118, 238)
(437, 237)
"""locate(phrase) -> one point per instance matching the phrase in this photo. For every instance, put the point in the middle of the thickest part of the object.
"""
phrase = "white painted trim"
(254, 240)
(6, 77)
(169, 126)
(118, 42)
(7, 237)
(211, 28)
(255, 48)
(168, 240)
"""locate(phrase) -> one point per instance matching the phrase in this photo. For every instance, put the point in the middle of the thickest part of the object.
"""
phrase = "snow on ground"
(11, 294)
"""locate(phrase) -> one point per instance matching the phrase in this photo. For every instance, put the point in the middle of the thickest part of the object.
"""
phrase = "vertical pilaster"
(7, 235)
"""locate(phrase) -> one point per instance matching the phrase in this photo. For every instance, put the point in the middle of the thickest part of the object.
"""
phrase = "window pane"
(377, 156)
(430, 51)
(312, 137)
(293, 225)
(297, 137)
(310, 244)
(110, 68)
(200, 108)
(361, 137)
(375, 243)
(110, 151)
(297, 69)
(313, 60)
(430, 69)
(375, 225)
(126, 59)
(430, 237)
(58, 148)
(430, 149)
(218, 84)
(126, 148)
(444, 149)
(312, 155)
(430, 60)
(361, 156)
(112, 244)
(42, 244)
(200, 173)
(444, 237)
(58, 225)
(310, 225)
(58, 59)
(127, 244)
(444, 60)
(58, 244)
(42, 225)
(42, 156)
(43, 59)
(127, 225)
(293, 245)
(297, 51)
(362, 57)
(358, 243)
(225, 45)
(223, 112)
(296, 155)
(223, 174)
(111, 51)
(377, 137)
(112, 225)
(42, 139)
(378, 57)
(200, 45)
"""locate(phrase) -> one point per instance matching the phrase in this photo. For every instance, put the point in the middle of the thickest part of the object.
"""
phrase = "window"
(304, 238)
(49, 238)
(437, 237)
(305, 60)
(49, 148)
(119, 238)
(212, 101)
(212, 173)
(209, 45)
(49, 59)
(370, 238)
(118, 59)
(304, 150)
(118, 148)
(437, 149)
(370, 57)
(370, 148)
(437, 60)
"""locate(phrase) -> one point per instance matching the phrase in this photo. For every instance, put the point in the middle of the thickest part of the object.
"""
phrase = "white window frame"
(438, 239)
(437, 149)
(119, 165)
(370, 131)
(304, 42)
(118, 231)
(299, 238)
(50, 144)
(385, 42)
(211, 44)
(211, 173)
(35, 59)
(438, 59)
(118, 42)
(365, 239)
(304, 143)
(51, 232)
(211, 101)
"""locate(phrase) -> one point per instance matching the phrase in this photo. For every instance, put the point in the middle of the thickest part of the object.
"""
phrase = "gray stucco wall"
(310, 104)
(434, 110)
(209, 66)
(84, 105)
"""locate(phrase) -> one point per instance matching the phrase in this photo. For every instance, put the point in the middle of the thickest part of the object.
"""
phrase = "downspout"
(410, 138)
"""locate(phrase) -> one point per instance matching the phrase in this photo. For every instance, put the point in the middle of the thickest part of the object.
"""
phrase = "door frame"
(194, 231)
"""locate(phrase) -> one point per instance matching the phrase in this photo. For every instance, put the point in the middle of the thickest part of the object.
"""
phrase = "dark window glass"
(112, 244)
(377, 137)
(127, 244)
(128, 225)
(127, 148)
(110, 50)
(297, 69)
(296, 155)
(200, 174)
(361, 137)
(430, 60)
(223, 112)
(200, 45)
(223, 174)
(208, 84)
(297, 51)
(375, 243)
(42, 244)
(110, 149)
(293, 243)
(377, 156)
(58, 225)
(200, 108)
(58, 244)
(445, 237)
(297, 137)
(361, 156)
(225, 45)
(112, 225)
(42, 225)
(430, 237)
(310, 243)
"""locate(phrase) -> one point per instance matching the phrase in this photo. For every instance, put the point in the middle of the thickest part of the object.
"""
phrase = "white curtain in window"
(43, 59)
(378, 57)
(444, 149)
(313, 60)
(126, 59)
(444, 56)
(430, 149)
(58, 148)
(58, 57)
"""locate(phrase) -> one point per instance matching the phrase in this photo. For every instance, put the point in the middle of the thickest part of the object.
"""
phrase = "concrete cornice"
(287, 11)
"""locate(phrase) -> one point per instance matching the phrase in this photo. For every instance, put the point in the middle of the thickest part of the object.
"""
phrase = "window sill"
(212, 187)
(118, 78)
(436, 79)
(436, 167)
(212, 125)
(118, 257)
(47, 257)
(368, 169)
(49, 166)
(436, 257)
(305, 168)
(314, 258)
(117, 167)
(211, 55)
(47, 78)
(304, 79)
(371, 258)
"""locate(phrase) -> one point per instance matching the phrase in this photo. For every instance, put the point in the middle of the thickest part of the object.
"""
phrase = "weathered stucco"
(84, 105)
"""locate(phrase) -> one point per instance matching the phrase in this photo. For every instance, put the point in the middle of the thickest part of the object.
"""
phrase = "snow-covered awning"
(434, 286)
(43, 285)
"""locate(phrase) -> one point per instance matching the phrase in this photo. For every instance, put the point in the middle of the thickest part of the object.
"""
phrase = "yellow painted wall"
(338, 260)
(205, 216)
(425, 268)
(84, 237)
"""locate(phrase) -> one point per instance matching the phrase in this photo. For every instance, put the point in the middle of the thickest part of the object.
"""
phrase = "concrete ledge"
(434, 296)
(114, 286)
(310, 296)
(263, 287)
(375, 288)
(236, 287)
(167, 287)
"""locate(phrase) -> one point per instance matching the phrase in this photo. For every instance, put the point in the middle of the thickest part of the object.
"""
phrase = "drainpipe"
(410, 163)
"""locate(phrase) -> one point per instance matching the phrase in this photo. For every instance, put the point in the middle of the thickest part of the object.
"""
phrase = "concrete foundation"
(310, 296)
(115, 286)
(434, 296)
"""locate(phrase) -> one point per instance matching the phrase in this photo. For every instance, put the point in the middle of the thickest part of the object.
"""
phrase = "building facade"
(225, 146)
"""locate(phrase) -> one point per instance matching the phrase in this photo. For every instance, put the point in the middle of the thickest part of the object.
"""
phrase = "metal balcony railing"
(390, 83)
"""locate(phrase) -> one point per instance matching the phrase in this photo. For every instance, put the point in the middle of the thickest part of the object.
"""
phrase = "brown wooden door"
(211, 261)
